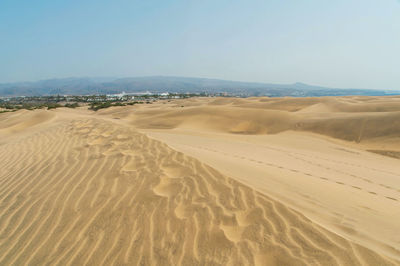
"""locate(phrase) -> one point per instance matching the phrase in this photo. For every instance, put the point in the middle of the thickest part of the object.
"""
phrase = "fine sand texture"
(85, 188)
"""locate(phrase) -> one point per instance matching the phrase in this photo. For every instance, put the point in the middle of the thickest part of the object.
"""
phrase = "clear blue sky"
(338, 43)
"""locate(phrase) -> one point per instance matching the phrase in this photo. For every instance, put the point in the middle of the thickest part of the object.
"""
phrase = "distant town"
(94, 102)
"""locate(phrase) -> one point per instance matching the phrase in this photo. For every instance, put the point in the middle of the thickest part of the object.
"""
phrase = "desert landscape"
(200, 133)
(203, 181)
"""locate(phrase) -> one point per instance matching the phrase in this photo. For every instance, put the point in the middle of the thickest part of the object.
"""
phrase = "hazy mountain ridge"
(156, 84)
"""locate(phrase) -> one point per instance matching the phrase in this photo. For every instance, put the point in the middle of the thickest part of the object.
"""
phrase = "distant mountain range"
(158, 84)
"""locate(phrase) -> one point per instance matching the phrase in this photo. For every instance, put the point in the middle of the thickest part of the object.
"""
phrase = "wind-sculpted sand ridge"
(85, 191)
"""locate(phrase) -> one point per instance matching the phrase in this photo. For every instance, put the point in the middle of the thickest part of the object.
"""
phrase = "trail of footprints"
(309, 174)
(93, 193)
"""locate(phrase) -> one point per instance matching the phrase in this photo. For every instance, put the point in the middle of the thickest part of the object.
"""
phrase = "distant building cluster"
(10, 104)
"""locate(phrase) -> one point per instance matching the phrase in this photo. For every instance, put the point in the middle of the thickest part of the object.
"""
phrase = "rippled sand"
(78, 187)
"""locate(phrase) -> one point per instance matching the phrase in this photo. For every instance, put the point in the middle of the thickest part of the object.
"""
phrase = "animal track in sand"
(392, 198)
(304, 173)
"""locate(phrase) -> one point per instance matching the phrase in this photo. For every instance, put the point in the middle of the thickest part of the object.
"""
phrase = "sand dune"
(349, 191)
(83, 188)
(373, 121)
(16, 122)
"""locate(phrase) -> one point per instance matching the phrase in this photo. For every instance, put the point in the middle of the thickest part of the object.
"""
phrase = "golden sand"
(163, 184)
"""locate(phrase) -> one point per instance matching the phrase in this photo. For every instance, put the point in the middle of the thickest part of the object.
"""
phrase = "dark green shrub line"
(32, 106)
(102, 105)
(73, 105)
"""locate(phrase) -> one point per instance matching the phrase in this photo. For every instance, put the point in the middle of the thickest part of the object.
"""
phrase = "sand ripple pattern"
(91, 192)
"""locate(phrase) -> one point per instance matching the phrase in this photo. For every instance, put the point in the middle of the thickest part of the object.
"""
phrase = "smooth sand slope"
(81, 188)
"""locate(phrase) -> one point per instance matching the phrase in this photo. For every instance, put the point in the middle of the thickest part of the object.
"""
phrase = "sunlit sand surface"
(203, 181)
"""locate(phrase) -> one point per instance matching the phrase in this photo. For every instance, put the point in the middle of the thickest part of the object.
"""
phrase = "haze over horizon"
(101, 79)
(341, 44)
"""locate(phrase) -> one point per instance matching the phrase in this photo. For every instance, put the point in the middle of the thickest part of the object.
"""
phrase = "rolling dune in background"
(373, 121)
(356, 127)
(78, 187)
